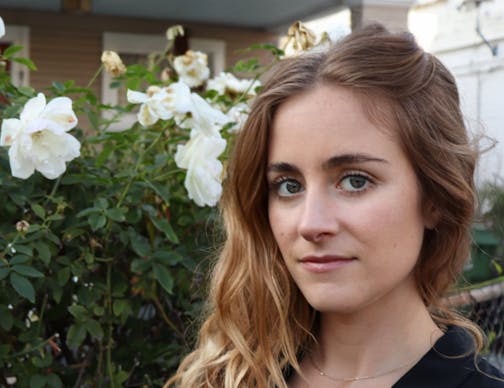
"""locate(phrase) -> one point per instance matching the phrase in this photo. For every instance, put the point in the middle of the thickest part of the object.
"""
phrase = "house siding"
(68, 46)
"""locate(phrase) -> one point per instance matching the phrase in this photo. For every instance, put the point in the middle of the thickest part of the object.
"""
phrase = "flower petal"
(10, 129)
(134, 97)
(21, 166)
(59, 110)
(33, 108)
(146, 117)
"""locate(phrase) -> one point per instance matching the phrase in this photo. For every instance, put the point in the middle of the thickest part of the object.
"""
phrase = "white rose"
(39, 140)
(162, 103)
(204, 118)
(238, 114)
(113, 63)
(192, 68)
(204, 170)
(228, 82)
(2, 27)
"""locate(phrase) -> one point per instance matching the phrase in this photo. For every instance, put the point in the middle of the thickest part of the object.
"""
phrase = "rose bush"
(106, 235)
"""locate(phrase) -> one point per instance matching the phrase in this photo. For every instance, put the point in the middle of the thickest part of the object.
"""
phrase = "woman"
(348, 208)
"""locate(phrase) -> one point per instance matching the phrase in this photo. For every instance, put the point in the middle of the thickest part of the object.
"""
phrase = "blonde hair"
(258, 322)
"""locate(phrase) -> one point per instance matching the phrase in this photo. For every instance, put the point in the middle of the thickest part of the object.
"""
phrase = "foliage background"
(100, 288)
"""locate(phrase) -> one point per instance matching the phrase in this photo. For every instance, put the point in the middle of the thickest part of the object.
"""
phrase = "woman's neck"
(383, 335)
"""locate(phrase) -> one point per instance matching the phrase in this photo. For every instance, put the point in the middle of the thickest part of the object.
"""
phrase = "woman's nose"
(318, 217)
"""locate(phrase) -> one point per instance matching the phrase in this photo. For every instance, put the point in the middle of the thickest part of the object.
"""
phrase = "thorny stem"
(165, 317)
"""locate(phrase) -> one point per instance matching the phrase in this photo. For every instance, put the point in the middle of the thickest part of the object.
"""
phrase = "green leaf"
(62, 276)
(26, 91)
(104, 155)
(88, 211)
(168, 257)
(140, 265)
(160, 190)
(44, 361)
(59, 86)
(24, 249)
(94, 328)
(120, 306)
(57, 294)
(98, 311)
(4, 272)
(140, 245)
(54, 381)
(52, 237)
(38, 210)
(6, 319)
(79, 312)
(120, 377)
(56, 217)
(22, 286)
(11, 50)
(164, 226)
(76, 335)
(37, 381)
(21, 259)
(44, 253)
(101, 203)
(97, 221)
(115, 214)
(4, 350)
(163, 276)
(27, 270)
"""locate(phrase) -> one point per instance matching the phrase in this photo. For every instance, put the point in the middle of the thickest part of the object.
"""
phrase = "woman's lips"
(324, 263)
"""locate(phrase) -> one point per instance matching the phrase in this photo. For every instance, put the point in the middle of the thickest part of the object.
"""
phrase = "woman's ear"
(431, 215)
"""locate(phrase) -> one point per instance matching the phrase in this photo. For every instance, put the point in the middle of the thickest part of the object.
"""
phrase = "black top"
(449, 364)
(443, 366)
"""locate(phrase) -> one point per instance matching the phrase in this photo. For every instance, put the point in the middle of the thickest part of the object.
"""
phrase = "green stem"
(42, 311)
(135, 169)
(53, 190)
(95, 76)
(110, 324)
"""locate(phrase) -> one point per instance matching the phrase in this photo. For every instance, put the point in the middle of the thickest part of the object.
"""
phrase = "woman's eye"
(288, 187)
(355, 183)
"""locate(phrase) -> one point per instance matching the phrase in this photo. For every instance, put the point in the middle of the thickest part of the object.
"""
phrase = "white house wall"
(479, 74)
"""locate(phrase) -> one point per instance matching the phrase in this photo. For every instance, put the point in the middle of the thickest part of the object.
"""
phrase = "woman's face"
(344, 202)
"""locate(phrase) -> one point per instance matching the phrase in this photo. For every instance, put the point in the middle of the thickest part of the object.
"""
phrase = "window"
(19, 36)
(134, 48)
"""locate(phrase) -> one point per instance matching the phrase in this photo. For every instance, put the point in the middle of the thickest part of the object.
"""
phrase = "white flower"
(162, 103)
(39, 140)
(174, 31)
(112, 63)
(2, 27)
(228, 82)
(192, 68)
(204, 118)
(204, 170)
(238, 114)
(301, 39)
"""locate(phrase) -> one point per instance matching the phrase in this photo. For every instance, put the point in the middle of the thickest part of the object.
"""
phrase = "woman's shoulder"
(450, 363)
(485, 375)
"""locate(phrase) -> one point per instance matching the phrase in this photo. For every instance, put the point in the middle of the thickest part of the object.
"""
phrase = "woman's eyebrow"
(282, 167)
(339, 160)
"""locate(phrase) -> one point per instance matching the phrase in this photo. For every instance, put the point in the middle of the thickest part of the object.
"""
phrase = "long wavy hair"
(257, 321)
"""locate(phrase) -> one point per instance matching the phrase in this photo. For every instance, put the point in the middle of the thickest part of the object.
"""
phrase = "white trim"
(19, 36)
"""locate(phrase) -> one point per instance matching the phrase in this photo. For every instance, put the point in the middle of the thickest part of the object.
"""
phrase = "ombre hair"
(257, 321)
